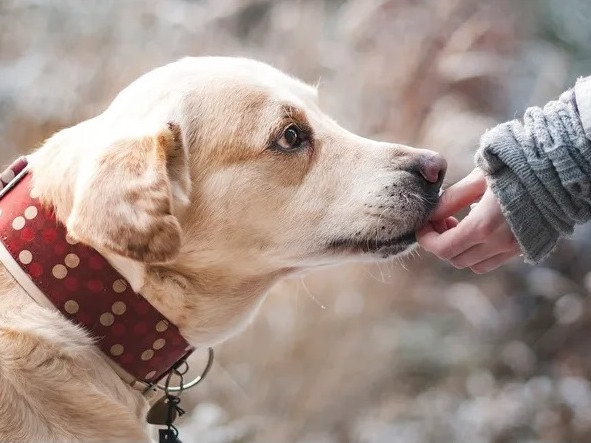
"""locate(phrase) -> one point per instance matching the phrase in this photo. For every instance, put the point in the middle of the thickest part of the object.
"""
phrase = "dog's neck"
(208, 302)
(208, 306)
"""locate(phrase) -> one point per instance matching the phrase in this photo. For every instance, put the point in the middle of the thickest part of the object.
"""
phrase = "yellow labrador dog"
(203, 183)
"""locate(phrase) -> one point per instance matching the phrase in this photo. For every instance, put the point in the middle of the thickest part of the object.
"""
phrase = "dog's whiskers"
(309, 293)
(401, 262)
(367, 269)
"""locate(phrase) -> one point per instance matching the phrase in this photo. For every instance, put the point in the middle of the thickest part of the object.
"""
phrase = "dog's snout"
(432, 167)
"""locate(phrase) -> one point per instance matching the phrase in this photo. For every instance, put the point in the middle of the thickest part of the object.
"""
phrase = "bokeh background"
(386, 352)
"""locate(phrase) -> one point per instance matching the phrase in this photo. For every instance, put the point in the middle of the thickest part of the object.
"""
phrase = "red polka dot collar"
(80, 283)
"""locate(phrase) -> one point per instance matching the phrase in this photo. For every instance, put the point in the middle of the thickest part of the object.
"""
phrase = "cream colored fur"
(181, 185)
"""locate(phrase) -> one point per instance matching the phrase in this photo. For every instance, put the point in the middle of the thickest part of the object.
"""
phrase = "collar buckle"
(183, 387)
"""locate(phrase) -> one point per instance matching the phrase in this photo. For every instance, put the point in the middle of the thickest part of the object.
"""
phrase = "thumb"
(460, 195)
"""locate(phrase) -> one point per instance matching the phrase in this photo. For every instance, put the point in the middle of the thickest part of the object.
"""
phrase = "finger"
(493, 263)
(444, 225)
(449, 244)
(424, 230)
(439, 225)
(451, 222)
(479, 253)
(460, 195)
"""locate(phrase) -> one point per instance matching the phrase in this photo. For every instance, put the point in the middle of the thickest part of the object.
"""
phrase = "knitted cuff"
(536, 237)
(540, 171)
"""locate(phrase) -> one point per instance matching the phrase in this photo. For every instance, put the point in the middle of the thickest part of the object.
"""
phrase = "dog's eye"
(291, 139)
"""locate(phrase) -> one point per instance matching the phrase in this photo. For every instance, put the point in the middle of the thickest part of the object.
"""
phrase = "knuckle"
(446, 254)
(458, 263)
(447, 251)
(424, 243)
(484, 229)
(478, 270)
(436, 249)
(427, 246)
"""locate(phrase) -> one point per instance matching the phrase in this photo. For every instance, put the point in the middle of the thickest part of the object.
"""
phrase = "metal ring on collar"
(195, 381)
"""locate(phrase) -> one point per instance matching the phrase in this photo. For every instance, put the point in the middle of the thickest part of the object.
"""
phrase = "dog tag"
(158, 413)
(167, 436)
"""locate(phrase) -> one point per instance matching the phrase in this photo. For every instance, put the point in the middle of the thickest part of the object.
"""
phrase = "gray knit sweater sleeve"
(540, 171)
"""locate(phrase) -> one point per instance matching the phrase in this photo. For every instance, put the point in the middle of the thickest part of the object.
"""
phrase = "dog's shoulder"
(52, 377)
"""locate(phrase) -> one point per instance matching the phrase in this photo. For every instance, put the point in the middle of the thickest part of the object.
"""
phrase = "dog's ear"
(128, 200)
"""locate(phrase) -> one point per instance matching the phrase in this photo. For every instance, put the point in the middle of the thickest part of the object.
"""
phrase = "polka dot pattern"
(162, 326)
(14, 169)
(87, 290)
(18, 223)
(117, 349)
(25, 257)
(107, 319)
(119, 308)
(72, 261)
(7, 176)
(59, 271)
(119, 286)
(31, 212)
(71, 307)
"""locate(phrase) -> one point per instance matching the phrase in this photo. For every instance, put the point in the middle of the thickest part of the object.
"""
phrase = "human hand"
(482, 241)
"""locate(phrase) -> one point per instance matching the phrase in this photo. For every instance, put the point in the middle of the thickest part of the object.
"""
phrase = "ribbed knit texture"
(540, 171)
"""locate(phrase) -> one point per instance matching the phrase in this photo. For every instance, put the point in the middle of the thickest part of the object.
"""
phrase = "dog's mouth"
(388, 246)
(384, 247)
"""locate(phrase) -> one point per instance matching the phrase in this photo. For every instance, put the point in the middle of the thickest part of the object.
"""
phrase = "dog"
(203, 183)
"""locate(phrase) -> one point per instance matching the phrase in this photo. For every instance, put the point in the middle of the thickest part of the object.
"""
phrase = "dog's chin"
(383, 248)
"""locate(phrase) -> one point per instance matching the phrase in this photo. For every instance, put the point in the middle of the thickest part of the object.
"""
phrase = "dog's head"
(229, 164)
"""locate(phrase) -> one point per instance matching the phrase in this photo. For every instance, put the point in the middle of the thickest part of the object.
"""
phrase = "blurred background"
(387, 352)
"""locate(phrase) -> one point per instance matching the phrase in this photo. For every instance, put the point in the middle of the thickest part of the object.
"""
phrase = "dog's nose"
(432, 167)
